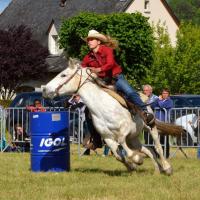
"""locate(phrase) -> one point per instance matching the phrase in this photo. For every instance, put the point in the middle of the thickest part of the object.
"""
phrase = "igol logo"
(52, 142)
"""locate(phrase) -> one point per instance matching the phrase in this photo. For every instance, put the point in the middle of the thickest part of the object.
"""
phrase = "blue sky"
(3, 4)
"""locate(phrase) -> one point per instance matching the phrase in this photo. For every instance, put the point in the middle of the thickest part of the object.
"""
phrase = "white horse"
(113, 122)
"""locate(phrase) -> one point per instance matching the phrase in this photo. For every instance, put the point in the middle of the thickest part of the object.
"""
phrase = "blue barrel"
(50, 150)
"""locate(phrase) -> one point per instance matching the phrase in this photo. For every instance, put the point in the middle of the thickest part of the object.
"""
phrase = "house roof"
(171, 12)
(39, 14)
(56, 63)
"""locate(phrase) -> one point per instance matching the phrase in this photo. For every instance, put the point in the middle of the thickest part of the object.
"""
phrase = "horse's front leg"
(114, 146)
(165, 165)
(131, 153)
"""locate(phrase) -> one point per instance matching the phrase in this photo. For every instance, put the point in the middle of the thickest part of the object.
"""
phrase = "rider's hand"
(95, 70)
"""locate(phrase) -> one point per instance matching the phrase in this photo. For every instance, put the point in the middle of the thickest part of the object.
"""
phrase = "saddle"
(115, 95)
(133, 109)
(110, 89)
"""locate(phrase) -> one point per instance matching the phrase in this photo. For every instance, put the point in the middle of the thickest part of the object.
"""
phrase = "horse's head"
(66, 82)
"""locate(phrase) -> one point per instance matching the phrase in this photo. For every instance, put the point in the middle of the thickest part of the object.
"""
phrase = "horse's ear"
(73, 62)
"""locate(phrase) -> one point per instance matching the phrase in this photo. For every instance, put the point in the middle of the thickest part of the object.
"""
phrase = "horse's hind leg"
(165, 165)
(135, 144)
(114, 146)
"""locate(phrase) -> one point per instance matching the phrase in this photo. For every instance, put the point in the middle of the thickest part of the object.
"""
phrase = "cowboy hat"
(95, 34)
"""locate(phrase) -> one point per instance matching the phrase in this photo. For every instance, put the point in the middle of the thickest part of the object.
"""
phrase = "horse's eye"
(63, 75)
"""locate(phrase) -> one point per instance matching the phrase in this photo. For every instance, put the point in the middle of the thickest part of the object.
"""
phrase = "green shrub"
(5, 103)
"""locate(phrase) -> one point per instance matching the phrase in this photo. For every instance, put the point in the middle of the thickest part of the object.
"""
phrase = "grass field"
(96, 177)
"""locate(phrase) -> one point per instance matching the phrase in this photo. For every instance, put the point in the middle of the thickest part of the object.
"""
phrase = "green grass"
(96, 177)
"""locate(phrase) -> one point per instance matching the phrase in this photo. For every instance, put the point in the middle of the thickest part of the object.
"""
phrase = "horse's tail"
(169, 129)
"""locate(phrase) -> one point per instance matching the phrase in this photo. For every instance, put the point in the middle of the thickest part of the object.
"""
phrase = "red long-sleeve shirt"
(104, 59)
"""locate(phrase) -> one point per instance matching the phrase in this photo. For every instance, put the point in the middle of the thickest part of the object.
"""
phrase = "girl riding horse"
(101, 61)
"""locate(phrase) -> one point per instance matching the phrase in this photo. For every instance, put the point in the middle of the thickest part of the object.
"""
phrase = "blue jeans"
(123, 86)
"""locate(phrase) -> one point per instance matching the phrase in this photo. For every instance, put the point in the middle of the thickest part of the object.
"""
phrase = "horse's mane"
(73, 61)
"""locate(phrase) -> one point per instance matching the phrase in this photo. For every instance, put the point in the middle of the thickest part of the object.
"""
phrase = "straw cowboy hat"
(97, 35)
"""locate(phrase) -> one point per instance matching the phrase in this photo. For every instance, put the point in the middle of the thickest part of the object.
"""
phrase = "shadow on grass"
(109, 172)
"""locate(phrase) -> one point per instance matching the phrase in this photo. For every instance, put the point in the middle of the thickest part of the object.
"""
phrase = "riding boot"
(148, 118)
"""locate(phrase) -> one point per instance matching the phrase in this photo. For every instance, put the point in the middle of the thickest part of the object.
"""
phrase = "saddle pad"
(116, 96)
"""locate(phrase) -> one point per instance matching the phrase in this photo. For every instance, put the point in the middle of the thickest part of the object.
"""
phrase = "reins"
(61, 85)
(79, 84)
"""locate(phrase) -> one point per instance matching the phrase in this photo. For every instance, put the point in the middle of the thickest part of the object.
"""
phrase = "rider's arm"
(85, 61)
(107, 52)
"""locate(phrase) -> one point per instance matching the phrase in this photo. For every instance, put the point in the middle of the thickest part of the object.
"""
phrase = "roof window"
(147, 6)
(62, 3)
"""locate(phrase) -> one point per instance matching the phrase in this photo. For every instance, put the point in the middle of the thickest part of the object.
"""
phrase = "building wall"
(156, 12)
(53, 41)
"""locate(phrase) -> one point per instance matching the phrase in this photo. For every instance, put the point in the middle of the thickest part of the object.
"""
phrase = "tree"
(21, 59)
(188, 11)
(135, 36)
(177, 68)
(160, 73)
(187, 60)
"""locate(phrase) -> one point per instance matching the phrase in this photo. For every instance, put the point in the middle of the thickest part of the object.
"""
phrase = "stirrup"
(149, 119)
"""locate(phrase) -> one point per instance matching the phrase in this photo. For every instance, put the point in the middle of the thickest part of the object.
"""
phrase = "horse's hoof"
(138, 159)
(158, 170)
(168, 171)
(131, 167)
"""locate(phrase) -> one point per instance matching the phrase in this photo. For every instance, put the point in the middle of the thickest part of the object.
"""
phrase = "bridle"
(79, 84)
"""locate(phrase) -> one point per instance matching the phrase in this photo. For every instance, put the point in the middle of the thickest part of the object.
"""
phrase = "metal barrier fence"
(14, 120)
(189, 119)
(14, 128)
(2, 139)
(163, 115)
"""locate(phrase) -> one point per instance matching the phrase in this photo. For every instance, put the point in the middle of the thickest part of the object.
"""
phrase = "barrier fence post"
(198, 151)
